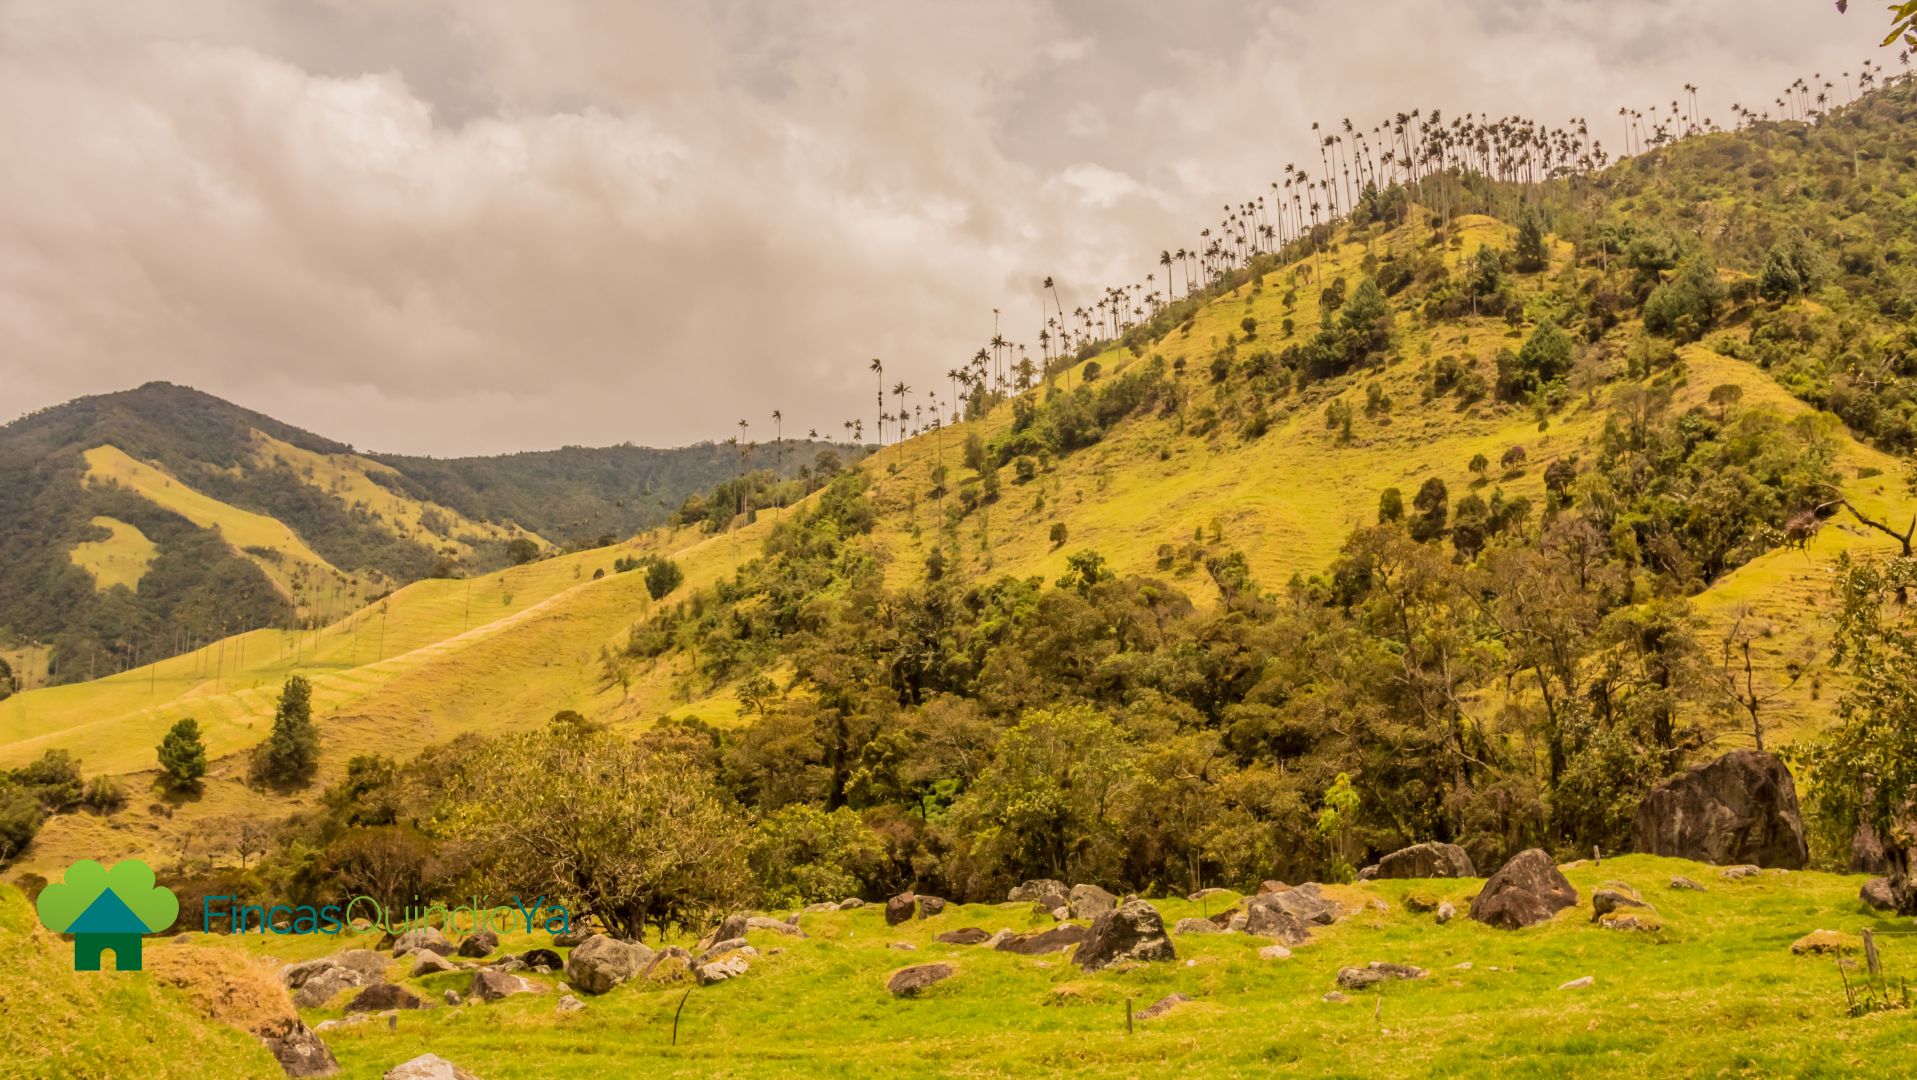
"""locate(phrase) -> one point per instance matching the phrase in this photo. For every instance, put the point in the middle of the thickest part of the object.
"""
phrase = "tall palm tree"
(877, 368)
(899, 390)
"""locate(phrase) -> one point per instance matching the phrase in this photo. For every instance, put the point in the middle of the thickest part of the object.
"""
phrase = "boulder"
(1876, 894)
(1044, 892)
(1740, 872)
(851, 902)
(382, 996)
(298, 1050)
(426, 937)
(1526, 890)
(490, 986)
(930, 906)
(1420, 902)
(451, 997)
(428, 962)
(1274, 952)
(1046, 941)
(568, 1004)
(1427, 860)
(1356, 978)
(479, 945)
(1867, 851)
(1683, 883)
(774, 926)
(1197, 926)
(970, 935)
(1289, 915)
(1740, 808)
(900, 908)
(1131, 931)
(541, 960)
(428, 1067)
(720, 948)
(294, 976)
(573, 937)
(1090, 901)
(1162, 1006)
(907, 982)
(730, 927)
(727, 967)
(601, 963)
(1268, 886)
(1605, 901)
(316, 990)
(1446, 912)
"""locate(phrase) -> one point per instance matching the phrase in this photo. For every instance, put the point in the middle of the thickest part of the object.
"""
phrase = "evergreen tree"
(182, 755)
(1531, 256)
(292, 751)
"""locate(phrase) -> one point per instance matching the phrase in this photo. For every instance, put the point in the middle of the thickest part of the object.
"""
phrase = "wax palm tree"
(877, 368)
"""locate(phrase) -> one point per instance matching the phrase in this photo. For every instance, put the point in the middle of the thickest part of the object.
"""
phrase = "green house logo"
(107, 911)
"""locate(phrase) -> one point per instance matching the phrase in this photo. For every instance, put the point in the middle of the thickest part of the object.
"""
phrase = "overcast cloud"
(462, 226)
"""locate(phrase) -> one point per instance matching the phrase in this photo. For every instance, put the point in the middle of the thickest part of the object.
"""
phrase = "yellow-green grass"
(120, 559)
(1715, 992)
(247, 532)
(62, 1024)
(349, 478)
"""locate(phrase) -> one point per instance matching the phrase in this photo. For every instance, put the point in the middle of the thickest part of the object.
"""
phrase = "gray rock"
(901, 908)
(907, 982)
(1132, 931)
(1427, 860)
(1046, 941)
(1876, 894)
(479, 944)
(1045, 892)
(850, 903)
(970, 935)
(1378, 971)
(1162, 1006)
(426, 937)
(490, 986)
(1335, 997)
(1605, 901)
(720, 948)
(902, 946)
(428, 962)
(1740, 808)
(540, 960)
(821, 908)
(774, 926)
(1739, 873)
(1197, 926)
(730, 927)
(568, 1004)
(428, 1067)
(1578, 984)
(451, 997)
(601, 963)
(729, 967)
(1206, 894)
(382, 996)
(670, 964)
(1274, 952)
(1527, 890)
(1090, 901)
(1682, 882)
(298, 1050)
(318, 989)
(1446, 912)
(930, 906)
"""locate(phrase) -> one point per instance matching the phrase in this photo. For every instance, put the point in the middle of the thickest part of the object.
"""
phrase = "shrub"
(182, 755)
(662, 577)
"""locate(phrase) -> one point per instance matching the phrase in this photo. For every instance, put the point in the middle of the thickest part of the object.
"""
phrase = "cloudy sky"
(464, 226)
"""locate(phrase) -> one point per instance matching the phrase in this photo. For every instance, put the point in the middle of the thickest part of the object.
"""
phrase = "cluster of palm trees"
(1430, 156)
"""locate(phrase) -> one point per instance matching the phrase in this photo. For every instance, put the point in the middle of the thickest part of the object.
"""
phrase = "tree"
(603, 826)
(1337, 825)
(1865, 771)
(1390, 505)
(1684, 307)
(182, 755)
(20, 819)
(662, 576)
(1433, 506)
(1043, 807)
(7, 684)
(1479, 465)
(291, 751)
(1530, 253)
(1544, 359)
(520, 551)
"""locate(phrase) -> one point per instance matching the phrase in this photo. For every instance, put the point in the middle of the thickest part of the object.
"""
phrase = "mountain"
(143, 524)
(1462, 513)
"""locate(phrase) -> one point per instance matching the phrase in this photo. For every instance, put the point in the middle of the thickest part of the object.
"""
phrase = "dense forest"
(1477, 667)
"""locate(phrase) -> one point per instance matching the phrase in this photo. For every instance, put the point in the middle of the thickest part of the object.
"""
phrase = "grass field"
(120, 559)
(1716, 992)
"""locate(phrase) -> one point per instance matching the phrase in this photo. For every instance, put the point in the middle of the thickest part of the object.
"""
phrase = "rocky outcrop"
(382, 996)
(1047, 893)
(1132, 931)
(600, 963)
(930, 906)
(323, 986)
(970, 935)
(298, 1050)
(1428, 860)
(907, 982)
(426, 937)
(427, 962)
(541, 960)
(1090, 901)
(1740, 808)
(1525, 891)
(901, 908)
(1877, 896)
(479, 945)
(489, 986)
(1289, 914)
(1045, 941)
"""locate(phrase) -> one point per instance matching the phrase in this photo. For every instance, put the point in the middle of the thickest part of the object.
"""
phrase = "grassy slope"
(59, 1023)
(120, 559)
(243, 529)
(1717, 992)
(349, 478)
(532, 640)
